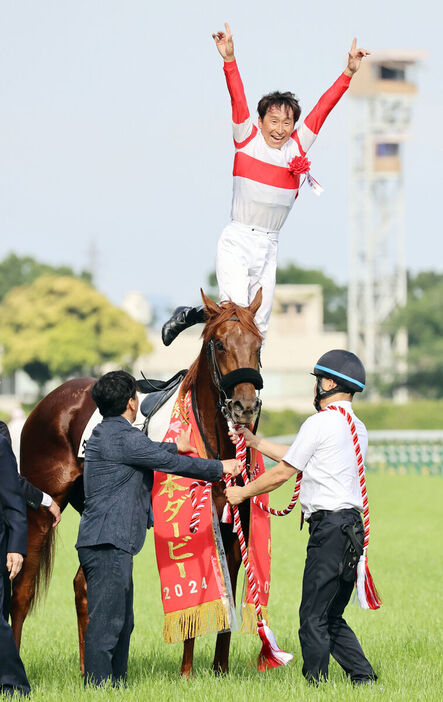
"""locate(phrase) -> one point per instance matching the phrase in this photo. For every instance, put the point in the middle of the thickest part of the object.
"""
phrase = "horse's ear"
(256, 302)
(211, 307)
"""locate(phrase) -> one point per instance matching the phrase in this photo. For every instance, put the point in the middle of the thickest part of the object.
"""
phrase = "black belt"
(319, 514)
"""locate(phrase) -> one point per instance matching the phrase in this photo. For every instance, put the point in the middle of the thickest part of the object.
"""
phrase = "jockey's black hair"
(277, 99)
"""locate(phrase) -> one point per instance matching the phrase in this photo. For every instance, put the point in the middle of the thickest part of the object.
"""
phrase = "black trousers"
(323, 631)
(12, 673)
(108, 573)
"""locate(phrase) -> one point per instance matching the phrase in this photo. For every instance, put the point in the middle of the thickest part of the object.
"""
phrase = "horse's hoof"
(186, 674)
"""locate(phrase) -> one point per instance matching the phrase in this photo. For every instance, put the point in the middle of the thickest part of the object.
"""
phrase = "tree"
(334, 296)
(60, 326)
(422, 316)
(22, 270)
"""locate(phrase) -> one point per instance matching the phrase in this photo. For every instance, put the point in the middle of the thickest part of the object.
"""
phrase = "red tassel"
(372, 596)
(368, 597)
(270, 656)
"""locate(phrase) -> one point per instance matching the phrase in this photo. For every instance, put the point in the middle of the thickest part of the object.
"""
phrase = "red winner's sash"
(195, 584)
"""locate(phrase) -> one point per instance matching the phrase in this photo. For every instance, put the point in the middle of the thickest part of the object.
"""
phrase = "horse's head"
(233, 344)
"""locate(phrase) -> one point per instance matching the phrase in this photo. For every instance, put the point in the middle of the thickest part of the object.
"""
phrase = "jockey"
(268, 165)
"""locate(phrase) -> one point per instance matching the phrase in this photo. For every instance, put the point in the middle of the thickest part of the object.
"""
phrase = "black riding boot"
(182, 318)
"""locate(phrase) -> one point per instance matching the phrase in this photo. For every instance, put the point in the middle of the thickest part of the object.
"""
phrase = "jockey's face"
(277, 126)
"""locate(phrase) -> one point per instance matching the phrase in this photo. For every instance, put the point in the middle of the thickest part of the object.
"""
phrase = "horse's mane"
(217, 315)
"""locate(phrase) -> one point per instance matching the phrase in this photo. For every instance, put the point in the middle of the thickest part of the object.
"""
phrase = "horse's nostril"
(246, 409)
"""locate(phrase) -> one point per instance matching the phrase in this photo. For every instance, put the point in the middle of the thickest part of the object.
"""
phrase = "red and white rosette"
(300, 165)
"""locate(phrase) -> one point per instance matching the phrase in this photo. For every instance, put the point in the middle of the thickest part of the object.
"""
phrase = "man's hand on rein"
(231, 466)
(234, 495)
(250, 438)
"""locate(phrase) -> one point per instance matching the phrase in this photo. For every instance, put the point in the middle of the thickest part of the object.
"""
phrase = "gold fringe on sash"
(249, 618)
(207, 618)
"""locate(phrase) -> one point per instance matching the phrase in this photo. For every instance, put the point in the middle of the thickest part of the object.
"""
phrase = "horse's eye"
(219, 346)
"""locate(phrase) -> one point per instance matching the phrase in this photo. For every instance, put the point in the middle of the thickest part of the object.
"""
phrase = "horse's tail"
(44, 570)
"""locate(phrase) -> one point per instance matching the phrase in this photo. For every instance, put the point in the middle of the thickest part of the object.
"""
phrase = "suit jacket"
(118, 479)
(33, 495)
(13, 524)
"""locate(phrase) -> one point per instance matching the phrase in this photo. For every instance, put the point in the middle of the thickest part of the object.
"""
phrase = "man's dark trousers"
(108, 573)
(12, 672)
(323, 631)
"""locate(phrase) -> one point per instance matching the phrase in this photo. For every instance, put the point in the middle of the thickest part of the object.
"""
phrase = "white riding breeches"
(246, 261)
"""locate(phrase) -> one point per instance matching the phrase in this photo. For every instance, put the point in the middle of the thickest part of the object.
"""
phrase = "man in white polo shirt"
(331, 502)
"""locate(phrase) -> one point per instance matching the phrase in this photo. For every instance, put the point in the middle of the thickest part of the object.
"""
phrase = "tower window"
(387, 149)
(392, 73)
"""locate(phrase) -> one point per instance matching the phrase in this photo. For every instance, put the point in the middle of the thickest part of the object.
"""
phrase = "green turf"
(403, 640)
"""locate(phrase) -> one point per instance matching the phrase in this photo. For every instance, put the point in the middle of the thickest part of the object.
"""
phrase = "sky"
(115, 132)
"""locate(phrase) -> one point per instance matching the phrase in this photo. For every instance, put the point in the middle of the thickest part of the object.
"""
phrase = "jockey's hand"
(184, 441)
(14, 562)
(54, 509)
(234, 495)
(250, 438)
(354, 58)
(225, 44)
(231, 466)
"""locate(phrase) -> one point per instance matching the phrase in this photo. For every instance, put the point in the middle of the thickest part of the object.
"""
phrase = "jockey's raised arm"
(306, 134)
(242, 126)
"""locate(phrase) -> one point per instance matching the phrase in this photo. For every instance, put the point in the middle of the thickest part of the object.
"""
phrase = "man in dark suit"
(13, 544)
(35, 498)
(118, 479)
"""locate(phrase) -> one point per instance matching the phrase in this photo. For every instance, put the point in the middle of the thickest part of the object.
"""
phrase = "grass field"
(403, 640)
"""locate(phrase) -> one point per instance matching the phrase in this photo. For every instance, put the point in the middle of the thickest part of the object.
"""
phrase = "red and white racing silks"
(264, 188)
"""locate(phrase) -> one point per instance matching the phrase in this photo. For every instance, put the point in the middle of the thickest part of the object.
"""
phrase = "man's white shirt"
(323, 450)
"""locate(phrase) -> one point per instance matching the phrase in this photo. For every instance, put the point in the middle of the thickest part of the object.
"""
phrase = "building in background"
(381, 99)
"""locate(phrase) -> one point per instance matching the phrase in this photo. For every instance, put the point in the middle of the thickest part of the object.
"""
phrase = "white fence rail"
(400, 451)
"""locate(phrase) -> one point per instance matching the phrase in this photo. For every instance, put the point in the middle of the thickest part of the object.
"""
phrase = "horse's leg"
(220, 664)
(81, 605)
(188, 657)
(39, 540)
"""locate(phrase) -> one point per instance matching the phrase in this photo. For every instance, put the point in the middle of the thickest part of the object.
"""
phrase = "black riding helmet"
(345, 368)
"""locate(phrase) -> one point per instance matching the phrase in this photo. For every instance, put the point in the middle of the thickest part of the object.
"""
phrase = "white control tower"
(381, 97)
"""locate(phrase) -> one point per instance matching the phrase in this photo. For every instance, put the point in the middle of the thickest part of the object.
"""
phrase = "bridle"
(224, 383)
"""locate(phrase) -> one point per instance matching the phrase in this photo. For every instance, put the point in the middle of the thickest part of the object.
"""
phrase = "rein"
(208, 446)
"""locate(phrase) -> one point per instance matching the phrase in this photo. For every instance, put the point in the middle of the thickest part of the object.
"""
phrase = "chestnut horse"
(223, 381)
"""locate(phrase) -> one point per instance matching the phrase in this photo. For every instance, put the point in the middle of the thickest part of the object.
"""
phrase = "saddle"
(157, 393)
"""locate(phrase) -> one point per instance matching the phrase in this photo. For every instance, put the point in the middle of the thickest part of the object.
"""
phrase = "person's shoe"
(182, 318)
(368, 680)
